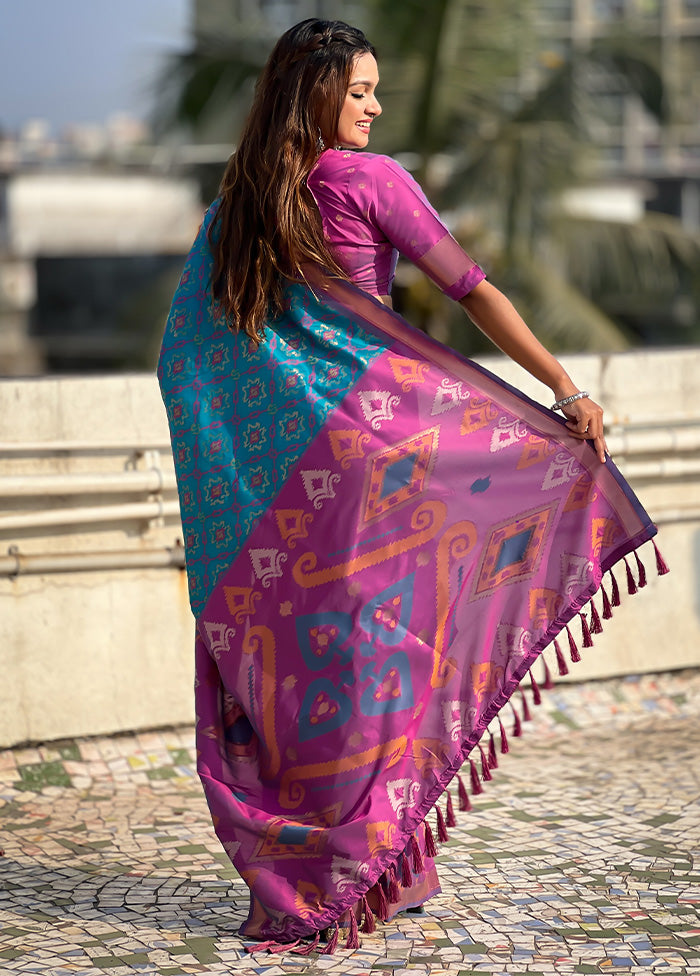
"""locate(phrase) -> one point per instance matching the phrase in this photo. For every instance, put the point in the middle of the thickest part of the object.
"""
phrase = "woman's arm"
(493, 313)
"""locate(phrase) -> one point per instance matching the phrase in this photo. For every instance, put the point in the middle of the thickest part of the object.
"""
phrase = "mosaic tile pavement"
(583, 855)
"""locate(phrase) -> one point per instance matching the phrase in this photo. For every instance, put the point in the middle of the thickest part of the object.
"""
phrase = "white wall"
(98, 651)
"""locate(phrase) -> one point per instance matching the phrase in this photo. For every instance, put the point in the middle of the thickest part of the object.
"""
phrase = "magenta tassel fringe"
(493, 758)
(416, 855)
(406, 876)
(615, 599)
(309, 948)
(631, 585)
(430, 846)
(485, 771)
(382, 903)
(536, 696)
(607, 609)
(573, 650)
(517, 727)
(394, 893)
(561, 660)
(464, 802)
(450, 818)
(504, 738)
(661, 567)
(641, 570)
(526, 708)
(443, 836)
(548, 683)
(353, 939)
(332, 943)
(596, 623)
(369, 925)
(585, 631)
(476, 782)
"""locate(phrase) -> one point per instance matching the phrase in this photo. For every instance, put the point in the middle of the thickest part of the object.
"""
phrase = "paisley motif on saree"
(381, 539)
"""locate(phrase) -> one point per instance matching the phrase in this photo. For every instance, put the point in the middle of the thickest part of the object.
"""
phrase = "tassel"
(631, 585)
(607, 609)
(526, 708)
(353, 939)
(309, 948)
(561, 660)
(382, 903)
(548, 683)
(504, 738)
(430, 847)
(596, 625)
(368, 925)
(443, 836)
(332, 943)
(416, 854)
(464, 802)
(615, 600)
(661, 567)
(641, 570)
(493, 758)
(485, 771)
(276, 947)
(476, 782)
(406, 877)
(394, 894)
(573, 650)
(517, 728)
(450, 818)
(536, 696)
(587, 639)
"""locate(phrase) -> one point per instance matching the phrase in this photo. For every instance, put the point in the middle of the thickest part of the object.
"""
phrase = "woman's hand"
(585, 421)
(494, 314)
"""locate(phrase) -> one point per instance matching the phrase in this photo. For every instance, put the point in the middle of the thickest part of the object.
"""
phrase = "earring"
(320, 144)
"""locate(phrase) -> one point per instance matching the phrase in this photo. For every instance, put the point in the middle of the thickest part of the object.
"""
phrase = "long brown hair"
(267, 225)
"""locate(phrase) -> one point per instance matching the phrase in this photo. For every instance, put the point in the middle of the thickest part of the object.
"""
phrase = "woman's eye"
(355, 95)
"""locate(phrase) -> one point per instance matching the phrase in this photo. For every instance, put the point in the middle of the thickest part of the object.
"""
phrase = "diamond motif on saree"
(408, 372)
(448, 395)
(399, 474)
(348, 445)
(563, 468)
(378, 406)
(478, 415)
(319, 486)
(267, 564)
(513, 549)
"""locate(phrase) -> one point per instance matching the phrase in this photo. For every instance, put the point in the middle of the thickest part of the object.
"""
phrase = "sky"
(83, 60)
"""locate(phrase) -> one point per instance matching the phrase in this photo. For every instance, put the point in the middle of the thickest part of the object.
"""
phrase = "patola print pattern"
(381, 539)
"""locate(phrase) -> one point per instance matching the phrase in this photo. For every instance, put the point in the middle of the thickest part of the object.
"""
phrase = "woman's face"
(360, 105)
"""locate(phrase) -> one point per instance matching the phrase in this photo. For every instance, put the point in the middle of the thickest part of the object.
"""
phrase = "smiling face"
(360, 105)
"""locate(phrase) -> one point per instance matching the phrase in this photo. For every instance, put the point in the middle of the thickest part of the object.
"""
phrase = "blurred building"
(631, 142)
(93, 232)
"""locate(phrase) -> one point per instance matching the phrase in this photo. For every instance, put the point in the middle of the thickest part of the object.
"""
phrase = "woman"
(381, 537)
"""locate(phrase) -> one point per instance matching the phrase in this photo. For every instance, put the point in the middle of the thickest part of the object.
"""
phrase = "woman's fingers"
(585, 422)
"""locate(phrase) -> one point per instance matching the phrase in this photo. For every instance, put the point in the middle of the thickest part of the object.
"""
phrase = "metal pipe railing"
(154, 509)
(20, 564)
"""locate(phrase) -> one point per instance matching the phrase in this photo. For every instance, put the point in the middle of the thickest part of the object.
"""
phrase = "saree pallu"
(381, 539)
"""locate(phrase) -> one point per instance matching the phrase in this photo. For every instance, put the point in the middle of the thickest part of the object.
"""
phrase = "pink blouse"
(371, 209)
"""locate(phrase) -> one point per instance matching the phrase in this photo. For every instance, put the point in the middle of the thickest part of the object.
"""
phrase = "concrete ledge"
(86, 653)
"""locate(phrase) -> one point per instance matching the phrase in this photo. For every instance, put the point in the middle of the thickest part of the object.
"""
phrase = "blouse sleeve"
(394, 203)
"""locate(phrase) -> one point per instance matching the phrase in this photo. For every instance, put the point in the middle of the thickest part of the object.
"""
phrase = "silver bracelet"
(570, 399)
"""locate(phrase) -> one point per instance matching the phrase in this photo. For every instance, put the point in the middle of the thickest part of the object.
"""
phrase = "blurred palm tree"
(488, 123)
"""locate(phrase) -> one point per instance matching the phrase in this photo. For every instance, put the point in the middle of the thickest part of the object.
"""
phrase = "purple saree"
(381, 539)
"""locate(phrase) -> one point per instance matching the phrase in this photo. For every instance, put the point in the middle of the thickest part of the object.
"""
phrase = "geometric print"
(513, 549)
(397, 475)
(242, 416)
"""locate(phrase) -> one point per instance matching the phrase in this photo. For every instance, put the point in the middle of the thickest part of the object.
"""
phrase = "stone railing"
(95, 628)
